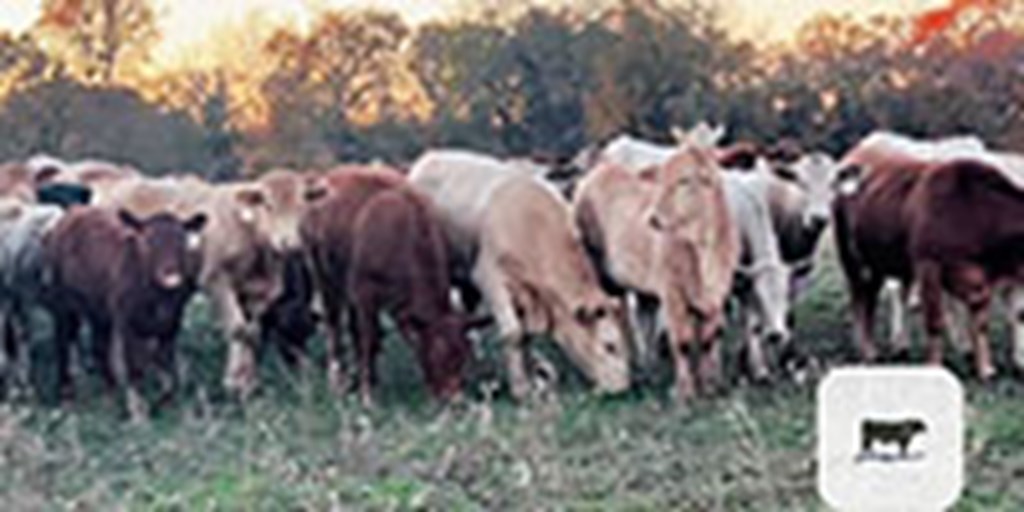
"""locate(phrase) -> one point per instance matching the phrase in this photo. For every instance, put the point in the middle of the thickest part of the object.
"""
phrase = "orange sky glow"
(188, 24)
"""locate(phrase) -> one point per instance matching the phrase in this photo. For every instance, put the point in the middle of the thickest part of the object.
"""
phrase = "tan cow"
(666, 233)
(251, 226)
(512, 236)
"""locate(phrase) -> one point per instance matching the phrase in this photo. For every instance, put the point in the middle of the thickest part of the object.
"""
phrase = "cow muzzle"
(171, 281)
(816, 222)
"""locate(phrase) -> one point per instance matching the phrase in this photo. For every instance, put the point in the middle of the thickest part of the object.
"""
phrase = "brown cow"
(871, 228)
(886, 227)
(376, 246)
(966, 235)
(666, 234)
(130, 279)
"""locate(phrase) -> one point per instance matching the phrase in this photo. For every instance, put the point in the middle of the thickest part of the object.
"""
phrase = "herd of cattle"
(630, 243)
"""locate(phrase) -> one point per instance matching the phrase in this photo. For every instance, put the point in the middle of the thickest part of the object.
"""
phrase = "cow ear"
(46, 173)
(251, 197)
(316, 189)
(196, 223)
(785, 173)
(129, 219)
(649, 173)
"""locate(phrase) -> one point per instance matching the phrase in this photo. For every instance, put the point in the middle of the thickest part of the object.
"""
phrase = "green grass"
(295, 447)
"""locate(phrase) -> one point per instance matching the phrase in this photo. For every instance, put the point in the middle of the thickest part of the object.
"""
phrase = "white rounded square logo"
(890, 438)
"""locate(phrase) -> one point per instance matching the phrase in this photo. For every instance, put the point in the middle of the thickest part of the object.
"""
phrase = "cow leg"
(167, 359)
(66, 329)
(1016, 308)
(6, 350)
(898, 295)
(101, 340)
(20, 348)
(240, 374)
(864, 302)
(959, 328)
(645, 317)
(367, 336)
(334, 320)
(754, 350)
(971, 285)
(930, 282)
(978, 331)
(510, 330)
(709, 349)
(681, 341)
(125, 359)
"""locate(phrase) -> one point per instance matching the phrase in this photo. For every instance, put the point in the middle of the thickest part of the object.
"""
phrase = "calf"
(130, 279)
(376, 247)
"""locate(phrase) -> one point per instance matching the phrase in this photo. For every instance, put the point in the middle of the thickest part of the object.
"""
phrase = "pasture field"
(294, 447)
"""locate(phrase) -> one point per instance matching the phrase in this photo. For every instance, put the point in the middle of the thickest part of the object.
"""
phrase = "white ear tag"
(248, 216)
(849, 187)
(194, 241)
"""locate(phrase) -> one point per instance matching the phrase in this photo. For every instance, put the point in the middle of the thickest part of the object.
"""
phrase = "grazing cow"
(130, 278)
(888, 219)
(966, 236)
(513, 240)
(22, 227)
(377, 246)
(252, 227)
(762, 278)
(666, 234)
(936, 151)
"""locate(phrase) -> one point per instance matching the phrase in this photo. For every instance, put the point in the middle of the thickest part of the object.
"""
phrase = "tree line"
(540, 81)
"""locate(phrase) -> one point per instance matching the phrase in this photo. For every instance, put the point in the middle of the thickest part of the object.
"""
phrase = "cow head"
(815, 174)
(272, 206)
(597, 340)
(444, 351)
(686, 184)
(161, 247)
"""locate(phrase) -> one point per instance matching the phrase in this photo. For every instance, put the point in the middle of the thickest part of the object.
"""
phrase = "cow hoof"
(336, 380)
(987, 375)
(138, 411)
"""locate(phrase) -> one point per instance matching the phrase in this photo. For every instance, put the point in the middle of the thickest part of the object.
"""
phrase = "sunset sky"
(187, 23)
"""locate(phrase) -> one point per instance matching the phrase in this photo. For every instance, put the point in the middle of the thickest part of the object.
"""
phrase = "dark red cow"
(376, 246)
(130, 279)
(954, 225)
(966, 237)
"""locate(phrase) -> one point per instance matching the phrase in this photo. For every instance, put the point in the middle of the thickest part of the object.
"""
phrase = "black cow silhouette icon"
(898, 432)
